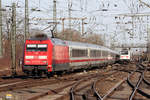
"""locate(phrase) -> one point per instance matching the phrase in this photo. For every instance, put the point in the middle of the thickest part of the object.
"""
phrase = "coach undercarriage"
(41, 70)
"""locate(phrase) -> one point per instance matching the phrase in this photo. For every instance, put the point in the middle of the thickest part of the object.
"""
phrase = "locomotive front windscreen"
(125, 52)
(36, 47)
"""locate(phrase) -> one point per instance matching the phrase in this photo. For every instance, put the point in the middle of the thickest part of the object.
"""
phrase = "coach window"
(92, 53)
(79, 53)
(104, 53)
(111, 54)
(95, 53)
(98, 53)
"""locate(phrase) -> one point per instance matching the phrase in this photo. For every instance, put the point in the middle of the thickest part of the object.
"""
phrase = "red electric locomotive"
(48, 55)
(45, 55)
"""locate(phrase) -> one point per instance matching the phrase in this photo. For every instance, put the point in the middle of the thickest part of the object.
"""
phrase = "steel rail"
(143, 93)
(140, 66)
(136, 87)
(146, 81)
(104, 97)
(99, 97)
(95, 91)
(72, 92)
(50, 92)
(110, 91)
(113, 89)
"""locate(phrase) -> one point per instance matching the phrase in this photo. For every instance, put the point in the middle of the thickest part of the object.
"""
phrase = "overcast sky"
(102, 22)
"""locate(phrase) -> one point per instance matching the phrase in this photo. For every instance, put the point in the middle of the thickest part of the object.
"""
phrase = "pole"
(148, 41)
(69, 13)
(26, 35)
(148, 45)
(54, 15)
(79, 27)
(63, 25)
(82, 27)
(1, 50)
(13, 40)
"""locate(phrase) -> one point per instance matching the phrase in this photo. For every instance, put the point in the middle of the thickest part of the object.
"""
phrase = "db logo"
(36, 53)
(35, 57)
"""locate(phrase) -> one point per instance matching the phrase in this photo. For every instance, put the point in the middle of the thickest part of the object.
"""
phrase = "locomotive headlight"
(27, 61)
(29, 57)
(44, 61)
(42, 57)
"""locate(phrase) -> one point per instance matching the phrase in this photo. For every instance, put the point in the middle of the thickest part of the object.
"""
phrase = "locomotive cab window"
(42, 47)
(36, 47)
(124, 52)
(31, 47)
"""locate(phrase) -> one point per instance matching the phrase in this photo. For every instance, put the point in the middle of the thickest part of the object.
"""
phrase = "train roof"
(88, 45)
(57, 41)
(77, 44)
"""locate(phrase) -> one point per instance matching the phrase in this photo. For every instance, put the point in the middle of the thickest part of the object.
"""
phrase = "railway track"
(62, 91)
(83, 89)
(78, 91)
(88, 91)
(8, 83)
(122, 91)
(18, 84)
(66, 95)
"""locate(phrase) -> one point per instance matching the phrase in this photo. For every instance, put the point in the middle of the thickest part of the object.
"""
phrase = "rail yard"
(114, 82)
(74, 50)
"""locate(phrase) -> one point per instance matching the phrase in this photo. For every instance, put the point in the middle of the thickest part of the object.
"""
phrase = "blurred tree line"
(68, 34)
(74, 35)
